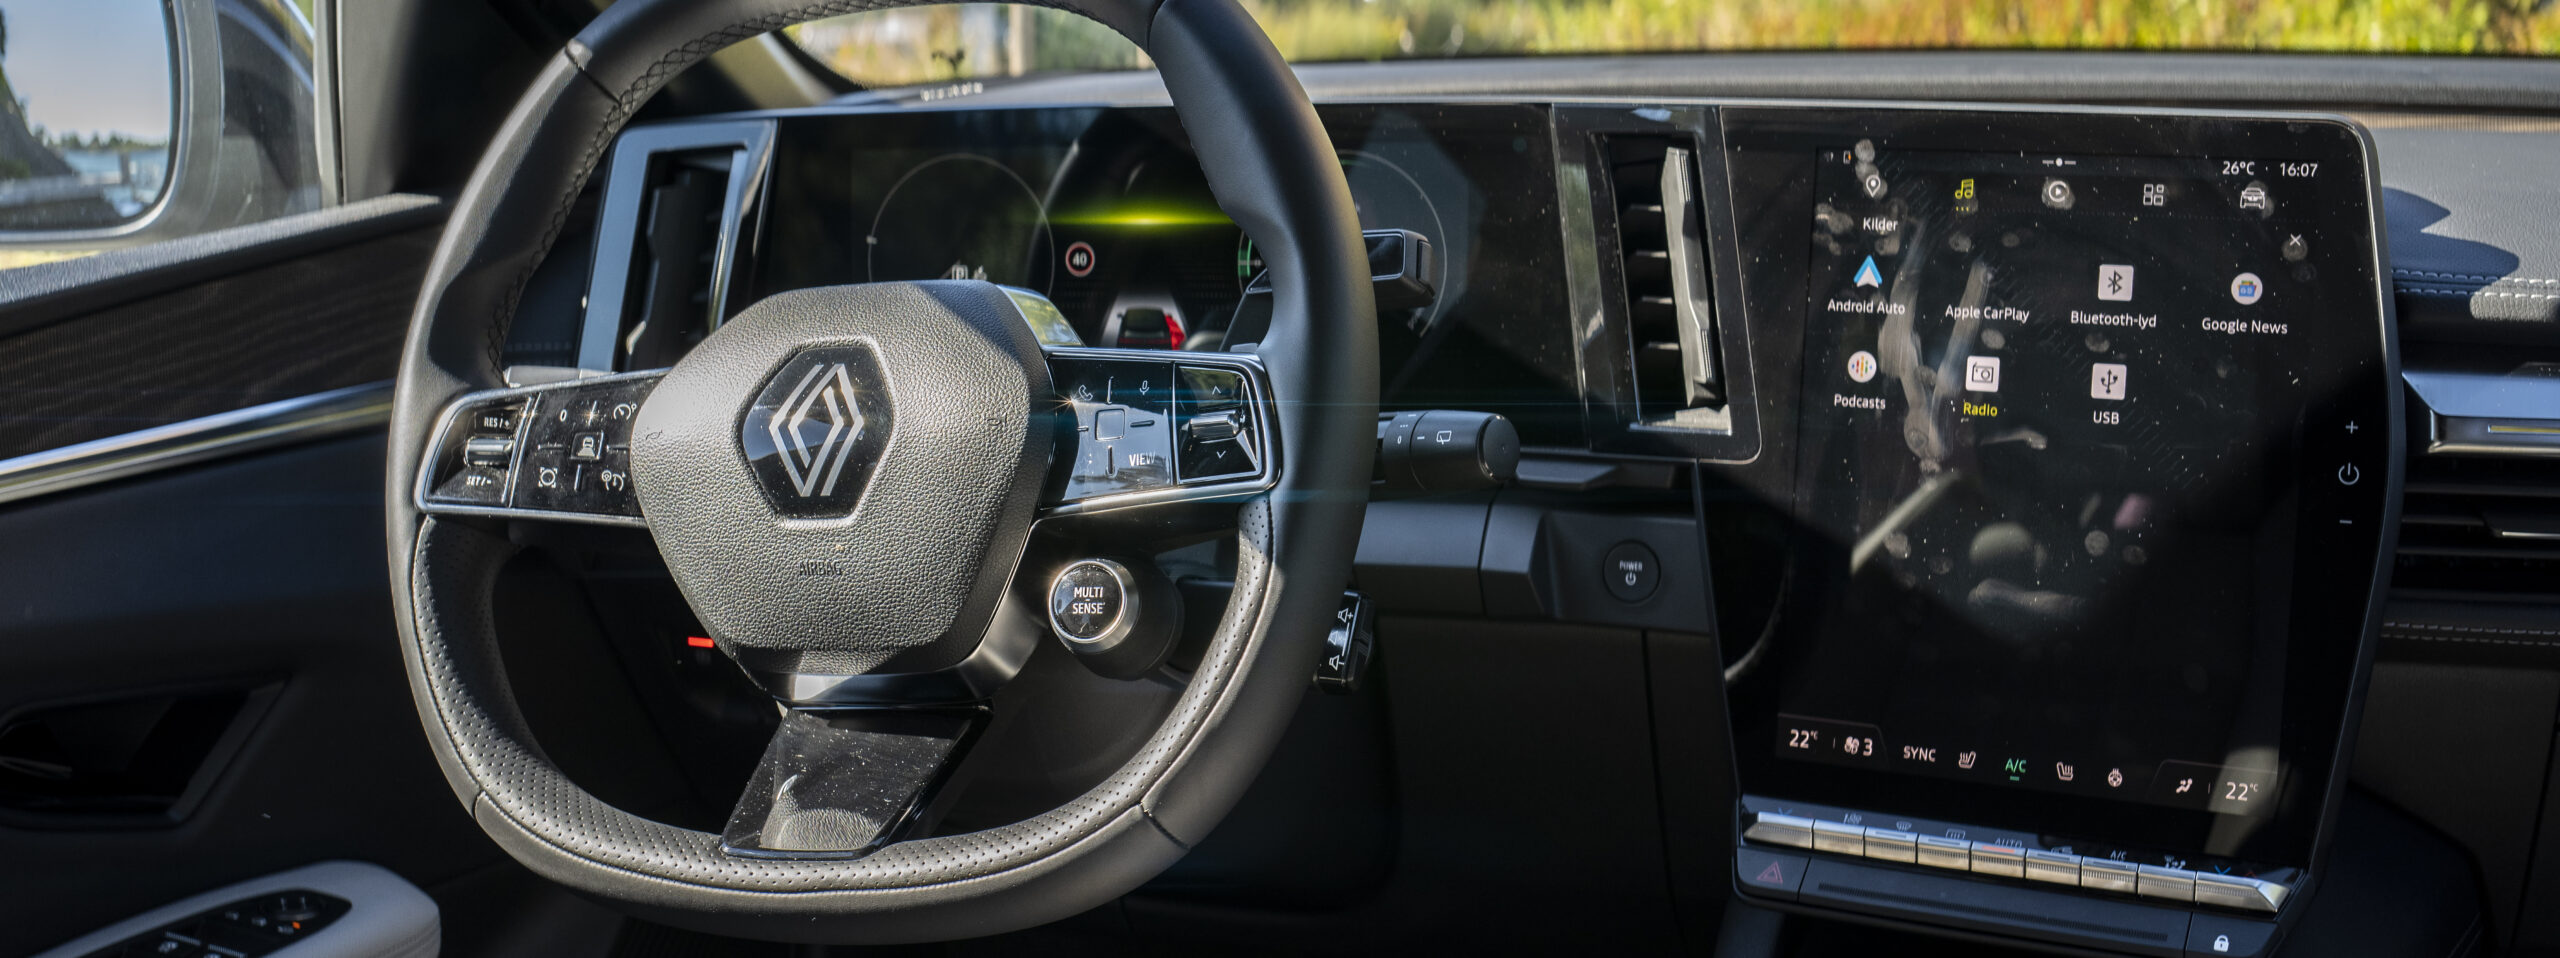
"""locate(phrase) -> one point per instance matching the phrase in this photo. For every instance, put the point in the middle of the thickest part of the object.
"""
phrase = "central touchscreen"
(2050, 406)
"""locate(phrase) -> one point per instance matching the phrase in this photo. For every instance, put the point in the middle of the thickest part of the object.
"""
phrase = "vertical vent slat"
(1670, 329)
(676, 262)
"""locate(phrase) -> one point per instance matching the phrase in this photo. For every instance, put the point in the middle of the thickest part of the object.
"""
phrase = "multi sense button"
(1088, 601)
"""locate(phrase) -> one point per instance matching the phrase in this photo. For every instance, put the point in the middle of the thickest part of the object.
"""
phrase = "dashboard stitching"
(2503, 294)
(2530, 643)
(2474, 628)
(2432, 274)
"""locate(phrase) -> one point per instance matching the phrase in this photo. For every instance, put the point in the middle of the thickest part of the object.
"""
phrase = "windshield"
(920, 45)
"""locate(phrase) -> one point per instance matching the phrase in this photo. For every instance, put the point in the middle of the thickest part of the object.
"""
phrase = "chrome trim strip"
(1771, 828)
(2488, 414)
(302, 419)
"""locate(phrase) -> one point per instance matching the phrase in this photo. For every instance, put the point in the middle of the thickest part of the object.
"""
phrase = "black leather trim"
(2473, 258)
(1273, 171)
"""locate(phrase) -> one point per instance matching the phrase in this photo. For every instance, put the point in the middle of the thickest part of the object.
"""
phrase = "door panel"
(199, 678)
(263, 572)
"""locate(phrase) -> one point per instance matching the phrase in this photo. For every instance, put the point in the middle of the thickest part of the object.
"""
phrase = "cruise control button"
(474, 486)
(488, 450)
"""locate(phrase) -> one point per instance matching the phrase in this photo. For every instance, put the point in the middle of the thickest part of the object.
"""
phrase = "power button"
(2348, 474)
(1631, 571)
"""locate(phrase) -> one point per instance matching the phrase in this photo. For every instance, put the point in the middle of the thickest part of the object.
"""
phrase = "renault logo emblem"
(822, 405)
(814, 434)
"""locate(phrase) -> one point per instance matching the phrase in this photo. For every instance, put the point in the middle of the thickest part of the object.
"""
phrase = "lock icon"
(2222, 944)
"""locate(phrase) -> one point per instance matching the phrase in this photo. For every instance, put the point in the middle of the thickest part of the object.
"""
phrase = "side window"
(133, 121)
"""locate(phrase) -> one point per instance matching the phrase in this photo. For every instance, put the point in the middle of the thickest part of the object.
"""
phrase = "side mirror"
(132, 121)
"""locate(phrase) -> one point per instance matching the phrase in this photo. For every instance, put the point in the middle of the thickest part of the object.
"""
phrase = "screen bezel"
(1770, 153)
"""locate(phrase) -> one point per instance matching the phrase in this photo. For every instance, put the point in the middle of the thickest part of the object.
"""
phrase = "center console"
(2091, 482)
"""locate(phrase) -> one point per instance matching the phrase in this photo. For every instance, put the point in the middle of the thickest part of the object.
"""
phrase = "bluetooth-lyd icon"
(2115, 282)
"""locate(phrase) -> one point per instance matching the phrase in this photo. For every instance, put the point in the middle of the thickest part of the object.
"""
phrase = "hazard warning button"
(1768, 875)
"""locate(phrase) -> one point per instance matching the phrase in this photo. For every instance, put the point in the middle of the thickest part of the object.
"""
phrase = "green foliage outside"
(1310, 30)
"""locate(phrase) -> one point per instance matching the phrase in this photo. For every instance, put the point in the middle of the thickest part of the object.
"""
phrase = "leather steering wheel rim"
(1274, 172)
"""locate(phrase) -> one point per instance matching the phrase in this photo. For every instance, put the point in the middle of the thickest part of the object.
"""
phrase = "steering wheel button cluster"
(577, 449)
(1123, 437)
(1147, 430)
(562, 449)
(1215, 438)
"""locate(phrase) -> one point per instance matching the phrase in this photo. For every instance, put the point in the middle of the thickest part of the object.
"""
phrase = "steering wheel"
(854, 489)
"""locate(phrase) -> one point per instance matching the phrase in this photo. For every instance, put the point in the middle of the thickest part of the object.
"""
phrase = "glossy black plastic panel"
(837, 784)
(2319, 426)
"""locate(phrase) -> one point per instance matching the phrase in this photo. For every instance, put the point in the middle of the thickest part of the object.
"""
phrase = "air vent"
(668, 239)
(677, 261)
(1670, 317)
(2479, 528)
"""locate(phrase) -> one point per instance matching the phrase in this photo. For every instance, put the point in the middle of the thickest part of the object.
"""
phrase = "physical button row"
(2176, 885)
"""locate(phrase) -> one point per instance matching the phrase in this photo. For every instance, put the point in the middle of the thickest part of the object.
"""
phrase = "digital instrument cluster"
(1107, 213)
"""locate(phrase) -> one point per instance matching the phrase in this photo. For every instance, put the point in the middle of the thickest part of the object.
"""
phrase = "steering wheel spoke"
(557, 451)
(1151, 428)
(840, 783)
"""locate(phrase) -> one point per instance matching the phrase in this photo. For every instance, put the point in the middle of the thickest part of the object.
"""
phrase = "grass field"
(920, 45)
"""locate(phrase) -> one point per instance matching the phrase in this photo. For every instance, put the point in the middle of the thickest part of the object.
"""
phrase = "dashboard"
(2083, 428)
